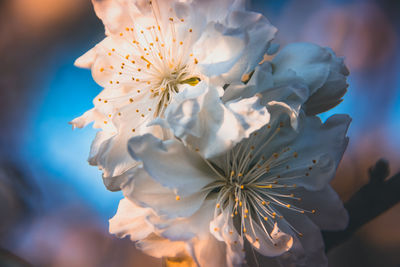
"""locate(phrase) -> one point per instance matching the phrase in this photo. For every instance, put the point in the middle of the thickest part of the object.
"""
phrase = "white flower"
(272, 189)
(303, 75)
(135, 221)
(155, 50)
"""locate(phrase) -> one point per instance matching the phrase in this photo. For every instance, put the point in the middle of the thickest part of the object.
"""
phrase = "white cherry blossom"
(303, 75)
(271, 190)
(155, 50)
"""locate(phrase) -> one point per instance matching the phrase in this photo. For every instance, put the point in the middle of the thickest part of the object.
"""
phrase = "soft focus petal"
(209, 252)
(159, 247)
(130, 220)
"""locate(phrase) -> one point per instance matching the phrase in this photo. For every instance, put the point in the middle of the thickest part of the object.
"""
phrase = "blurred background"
(54, 207)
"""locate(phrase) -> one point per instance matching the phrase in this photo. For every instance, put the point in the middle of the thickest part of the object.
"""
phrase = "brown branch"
(376, 197)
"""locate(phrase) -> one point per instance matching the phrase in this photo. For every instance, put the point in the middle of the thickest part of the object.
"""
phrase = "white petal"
(274, 244)
(159, 247)
(314, 151)
(184, 229)
(216, 52)
(86, 61)
(330, 213)
(130, 220)
(208, 126)
(171, 164)
(209, 252)
(308, 250)
(222, 229)
(258, 35)
(146, 192)
(323, 72)
(115, 14)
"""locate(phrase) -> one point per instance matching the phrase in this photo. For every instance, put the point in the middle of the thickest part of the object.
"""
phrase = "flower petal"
(222, 228)
(146, 192)
(171, 164)
(308, 157)
(184, 229)
(159, 247)
(130, 220)
(209, 252)
(323, 72)
(309, 249)
(208, 126)
(330, 213)
(274, 244)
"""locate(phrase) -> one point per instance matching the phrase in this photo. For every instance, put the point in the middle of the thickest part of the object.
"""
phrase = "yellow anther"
(241, 187)
(240, 174)
(133, 130)
(102, 69)
(218, 205)
(265, 218)
(288, 205)
(131, 100)
(246, 211)
(240, 203)
(216, 229)
(313, 211)
(263, 203)
(244, 230)
(178, 198)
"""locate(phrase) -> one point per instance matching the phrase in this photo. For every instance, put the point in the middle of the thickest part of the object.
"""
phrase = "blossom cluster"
(212, 133)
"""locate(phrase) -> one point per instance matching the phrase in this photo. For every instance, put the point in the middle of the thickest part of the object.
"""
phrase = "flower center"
(256, 184)
(151, 59)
